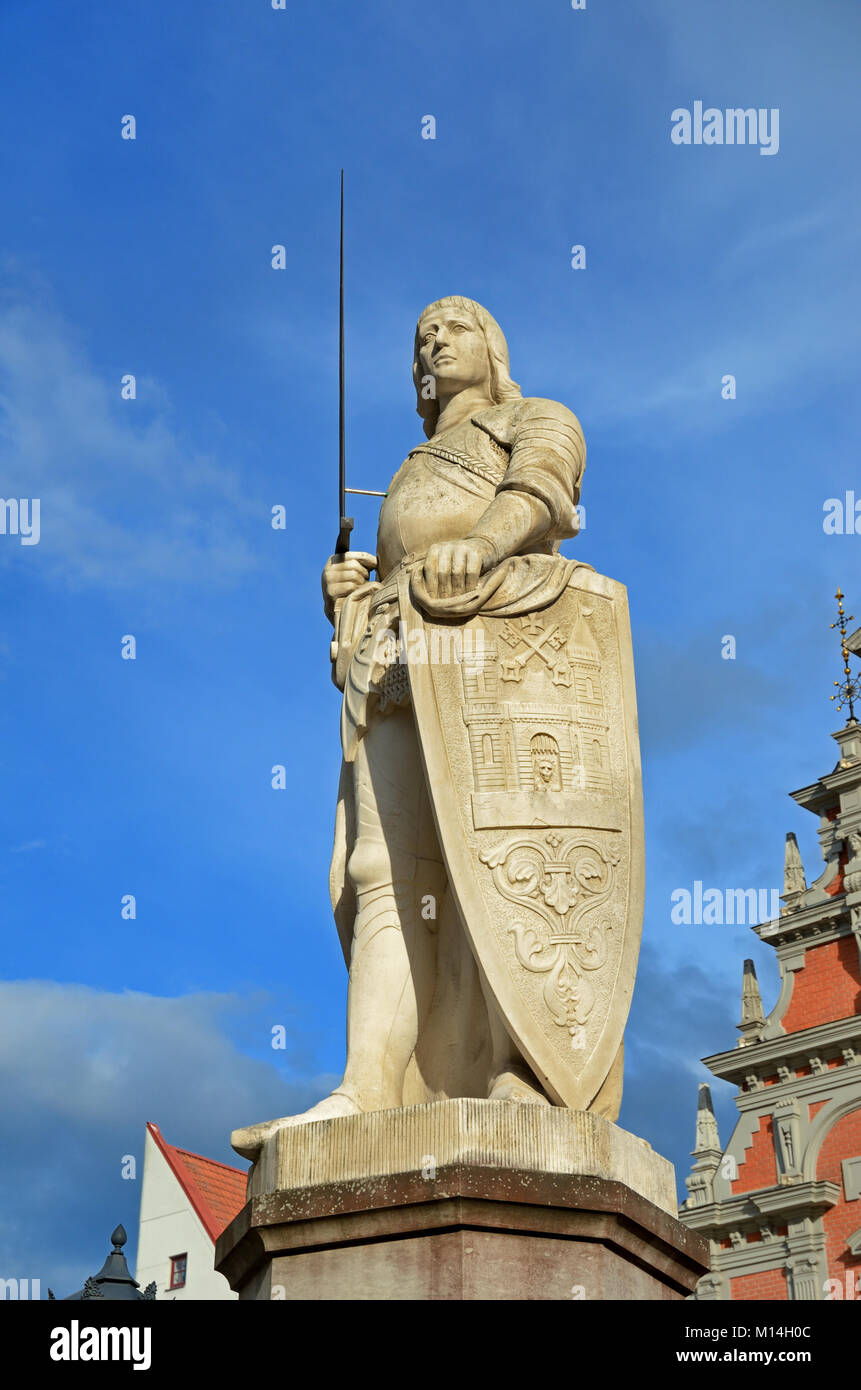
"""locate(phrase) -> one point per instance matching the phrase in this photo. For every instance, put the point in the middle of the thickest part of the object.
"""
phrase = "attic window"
(178, 1265)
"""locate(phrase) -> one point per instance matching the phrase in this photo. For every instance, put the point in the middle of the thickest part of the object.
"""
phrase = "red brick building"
(781, 1204)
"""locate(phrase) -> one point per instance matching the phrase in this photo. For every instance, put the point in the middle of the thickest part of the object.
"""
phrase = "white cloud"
(86, 1054)
(81, 1072)
(124, 496)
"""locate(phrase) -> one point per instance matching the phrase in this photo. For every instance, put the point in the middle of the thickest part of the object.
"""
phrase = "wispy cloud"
(81, 1071)
(125, 498)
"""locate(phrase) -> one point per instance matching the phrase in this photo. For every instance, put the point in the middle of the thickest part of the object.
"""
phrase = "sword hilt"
(342, 545)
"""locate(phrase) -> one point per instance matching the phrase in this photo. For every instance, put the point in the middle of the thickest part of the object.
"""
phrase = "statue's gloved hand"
(342, 574)
(455, 567)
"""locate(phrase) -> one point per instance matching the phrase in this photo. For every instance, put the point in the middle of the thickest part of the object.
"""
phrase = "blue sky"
(152, 257)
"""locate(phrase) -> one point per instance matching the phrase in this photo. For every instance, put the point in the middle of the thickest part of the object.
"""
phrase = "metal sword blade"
(345, 523)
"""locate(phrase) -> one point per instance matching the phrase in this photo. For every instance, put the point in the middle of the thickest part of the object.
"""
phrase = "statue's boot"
(249, 1141)
(517, 1083)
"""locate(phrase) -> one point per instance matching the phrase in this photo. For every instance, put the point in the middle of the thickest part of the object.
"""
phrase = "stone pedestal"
(461, 1199)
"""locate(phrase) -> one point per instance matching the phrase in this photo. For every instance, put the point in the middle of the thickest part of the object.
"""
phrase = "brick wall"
(827, 988)
(765, 1284)
(843, 1140)
(759, 1168)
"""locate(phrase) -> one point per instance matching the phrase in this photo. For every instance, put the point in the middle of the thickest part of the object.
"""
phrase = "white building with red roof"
(186, 1202)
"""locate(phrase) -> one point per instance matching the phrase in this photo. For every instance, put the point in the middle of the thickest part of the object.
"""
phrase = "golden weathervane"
(849, 689)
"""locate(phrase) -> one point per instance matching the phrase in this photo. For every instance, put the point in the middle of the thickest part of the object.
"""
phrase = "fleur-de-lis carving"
(561, 885)
(561, 882)
(559, 891)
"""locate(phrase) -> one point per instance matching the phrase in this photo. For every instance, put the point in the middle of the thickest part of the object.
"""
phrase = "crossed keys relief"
(531, 638)
(561, 884)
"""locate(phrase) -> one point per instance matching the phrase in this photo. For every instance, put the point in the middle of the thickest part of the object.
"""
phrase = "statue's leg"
(396, 870)
(453, 1051)
(608, 1101)
(394, 867)
(511, 1077)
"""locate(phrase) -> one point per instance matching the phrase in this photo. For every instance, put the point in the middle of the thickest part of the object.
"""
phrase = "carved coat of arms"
(528, 731)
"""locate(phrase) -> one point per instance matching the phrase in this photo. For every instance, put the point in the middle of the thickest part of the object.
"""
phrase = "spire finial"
(849, 689)
(793, 868)
(752, 1016)
(707, 1139)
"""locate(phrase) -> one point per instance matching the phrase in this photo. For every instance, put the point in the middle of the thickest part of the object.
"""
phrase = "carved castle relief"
(538, 726)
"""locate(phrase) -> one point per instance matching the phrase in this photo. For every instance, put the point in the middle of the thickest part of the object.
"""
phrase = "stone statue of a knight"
(487, 876)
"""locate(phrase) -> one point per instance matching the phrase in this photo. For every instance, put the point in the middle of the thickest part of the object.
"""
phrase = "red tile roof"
(215, 1190)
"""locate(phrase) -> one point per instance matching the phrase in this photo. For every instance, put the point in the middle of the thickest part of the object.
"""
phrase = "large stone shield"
(528, 731)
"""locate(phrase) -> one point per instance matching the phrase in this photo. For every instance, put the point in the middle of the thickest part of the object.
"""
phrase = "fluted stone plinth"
(461, 1199)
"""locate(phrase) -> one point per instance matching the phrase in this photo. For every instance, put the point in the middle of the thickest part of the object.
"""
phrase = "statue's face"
(452, 350)
(546, 768)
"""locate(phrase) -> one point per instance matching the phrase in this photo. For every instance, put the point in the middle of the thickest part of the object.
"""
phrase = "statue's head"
(458, 344)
